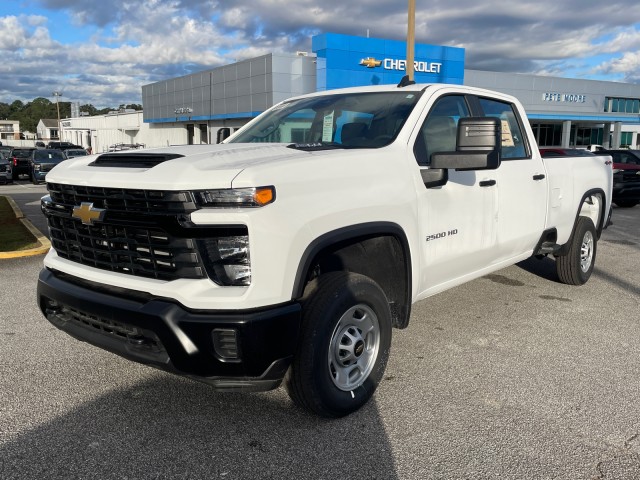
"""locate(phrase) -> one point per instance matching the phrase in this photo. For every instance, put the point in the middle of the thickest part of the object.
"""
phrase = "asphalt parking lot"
(513, 375)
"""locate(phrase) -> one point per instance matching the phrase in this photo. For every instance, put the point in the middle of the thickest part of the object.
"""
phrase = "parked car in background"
(626, 176)
(62, 145)
(563, 152)
(19, 158)
(6, 149)
(40, 144)
(43, 160)
(595, 148)
(75, 152)
(6, 175)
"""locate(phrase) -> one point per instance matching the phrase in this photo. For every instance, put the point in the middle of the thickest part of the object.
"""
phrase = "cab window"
(439, 130)
(513, 140)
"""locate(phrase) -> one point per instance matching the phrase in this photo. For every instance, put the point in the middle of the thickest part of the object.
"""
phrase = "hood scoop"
(133, 160)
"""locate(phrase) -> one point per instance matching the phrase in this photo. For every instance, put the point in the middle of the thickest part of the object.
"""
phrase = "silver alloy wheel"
(586, 251)
(354, 346)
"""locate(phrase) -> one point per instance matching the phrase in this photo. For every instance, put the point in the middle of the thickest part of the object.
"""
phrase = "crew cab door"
(457, 219)
(521, 183)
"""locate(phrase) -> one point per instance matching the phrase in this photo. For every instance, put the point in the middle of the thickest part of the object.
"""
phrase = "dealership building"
(203, 107)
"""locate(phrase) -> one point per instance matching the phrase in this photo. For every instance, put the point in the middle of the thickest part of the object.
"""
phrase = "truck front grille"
(124, 200)
(139, 235)
(141, 251)
(111, 328)
(145, 233)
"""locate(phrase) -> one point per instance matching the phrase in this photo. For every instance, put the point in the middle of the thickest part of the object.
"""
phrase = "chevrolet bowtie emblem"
(370, 62)
(87, 214)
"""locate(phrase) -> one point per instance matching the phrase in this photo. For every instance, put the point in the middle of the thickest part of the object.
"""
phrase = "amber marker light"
(264, 195)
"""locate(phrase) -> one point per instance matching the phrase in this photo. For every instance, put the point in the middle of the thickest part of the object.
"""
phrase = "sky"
(101, 52)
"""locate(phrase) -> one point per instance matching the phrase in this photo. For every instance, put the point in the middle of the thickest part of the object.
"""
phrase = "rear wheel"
(344, 345)
(576, 267)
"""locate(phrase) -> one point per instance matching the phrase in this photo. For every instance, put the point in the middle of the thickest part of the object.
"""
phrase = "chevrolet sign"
(395, 64)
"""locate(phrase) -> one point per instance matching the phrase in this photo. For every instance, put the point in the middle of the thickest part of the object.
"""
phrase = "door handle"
(539, 176)
(487, 183)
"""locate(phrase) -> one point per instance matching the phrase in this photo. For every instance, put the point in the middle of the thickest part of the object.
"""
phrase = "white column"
(566, 133)
(617, 131)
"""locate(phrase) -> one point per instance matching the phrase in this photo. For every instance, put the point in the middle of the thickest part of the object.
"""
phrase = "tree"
(40, 108)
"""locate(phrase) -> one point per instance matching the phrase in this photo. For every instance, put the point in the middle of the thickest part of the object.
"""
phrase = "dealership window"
(300, 135)
(584, 136)
(621, 105)
(626, 138)
(548, 134)
(204, 133)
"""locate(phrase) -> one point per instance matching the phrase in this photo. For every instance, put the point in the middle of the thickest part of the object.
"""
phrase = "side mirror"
(478, 144)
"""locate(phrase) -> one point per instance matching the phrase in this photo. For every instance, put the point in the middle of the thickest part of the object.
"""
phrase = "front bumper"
(166, 335)
(39, 176)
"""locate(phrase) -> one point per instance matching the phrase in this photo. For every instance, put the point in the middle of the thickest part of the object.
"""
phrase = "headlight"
(36, 167)
(235, 197)
(227, 259)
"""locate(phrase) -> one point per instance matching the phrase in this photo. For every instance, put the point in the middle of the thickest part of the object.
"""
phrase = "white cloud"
(137, 42)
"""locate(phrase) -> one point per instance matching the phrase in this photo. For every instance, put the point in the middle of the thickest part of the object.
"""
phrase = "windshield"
(354, 120)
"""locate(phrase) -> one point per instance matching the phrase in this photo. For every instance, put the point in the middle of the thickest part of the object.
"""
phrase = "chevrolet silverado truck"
(288, 253)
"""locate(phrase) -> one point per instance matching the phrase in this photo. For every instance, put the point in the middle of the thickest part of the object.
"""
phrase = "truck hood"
(184, 168)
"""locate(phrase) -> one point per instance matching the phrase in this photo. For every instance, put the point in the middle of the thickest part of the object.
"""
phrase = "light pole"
(58, 95)
(411, 34)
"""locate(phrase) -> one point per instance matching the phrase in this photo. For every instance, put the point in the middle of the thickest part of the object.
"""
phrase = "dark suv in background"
(43, 160)
(19, 159)
(626, 176)
(62, 145)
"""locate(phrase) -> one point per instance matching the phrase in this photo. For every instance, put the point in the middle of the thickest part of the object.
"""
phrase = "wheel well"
(593, 207)
(383, 257)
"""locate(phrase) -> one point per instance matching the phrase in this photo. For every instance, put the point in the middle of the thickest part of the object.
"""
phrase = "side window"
(439, 130)
(626, 158)
(513, 140)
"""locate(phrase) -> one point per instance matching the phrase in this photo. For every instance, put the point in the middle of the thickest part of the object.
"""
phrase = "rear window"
(21, 153)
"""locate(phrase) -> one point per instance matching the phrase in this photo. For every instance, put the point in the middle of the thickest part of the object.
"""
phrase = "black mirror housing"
(478, 144)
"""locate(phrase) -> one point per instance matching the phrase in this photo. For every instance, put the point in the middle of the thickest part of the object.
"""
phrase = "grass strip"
(14, 236)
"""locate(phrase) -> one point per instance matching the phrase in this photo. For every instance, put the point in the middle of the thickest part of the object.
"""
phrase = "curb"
(45, 244)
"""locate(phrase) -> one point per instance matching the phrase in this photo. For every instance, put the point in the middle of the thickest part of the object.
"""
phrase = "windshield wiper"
(315, 146)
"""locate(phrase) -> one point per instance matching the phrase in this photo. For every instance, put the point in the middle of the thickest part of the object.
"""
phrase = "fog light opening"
(225, 344)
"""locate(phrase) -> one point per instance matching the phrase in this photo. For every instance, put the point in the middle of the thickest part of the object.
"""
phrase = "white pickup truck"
(291, 251)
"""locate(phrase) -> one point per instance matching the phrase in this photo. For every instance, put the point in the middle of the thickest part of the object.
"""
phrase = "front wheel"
(576, 267)
(344, 345)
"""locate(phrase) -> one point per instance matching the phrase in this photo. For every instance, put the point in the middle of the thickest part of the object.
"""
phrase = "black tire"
(626, 203)
(576, 267)
(336, 309)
